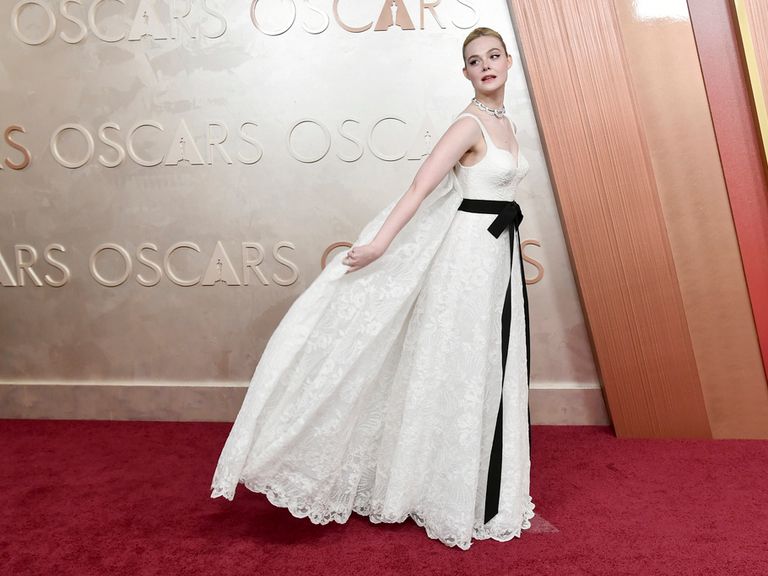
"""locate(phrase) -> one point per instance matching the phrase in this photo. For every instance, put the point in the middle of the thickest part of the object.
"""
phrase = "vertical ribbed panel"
(733, 114)
(757, 11)
(611, 216)
(677, 123)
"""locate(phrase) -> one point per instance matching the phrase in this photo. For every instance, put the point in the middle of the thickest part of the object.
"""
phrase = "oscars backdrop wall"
(173, 175)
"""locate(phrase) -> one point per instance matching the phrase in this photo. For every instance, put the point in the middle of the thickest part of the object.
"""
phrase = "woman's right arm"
(456, 141)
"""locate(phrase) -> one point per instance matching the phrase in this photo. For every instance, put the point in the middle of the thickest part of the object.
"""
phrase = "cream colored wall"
(226, 100)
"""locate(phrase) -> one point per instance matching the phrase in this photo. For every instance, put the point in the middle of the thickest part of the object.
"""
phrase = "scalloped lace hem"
(324, 514)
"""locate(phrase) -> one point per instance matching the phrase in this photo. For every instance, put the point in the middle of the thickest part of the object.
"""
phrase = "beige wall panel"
(220, 402)
(689, 179)
(611, 215)
(577, 406)
(248, 79)
(127, 400)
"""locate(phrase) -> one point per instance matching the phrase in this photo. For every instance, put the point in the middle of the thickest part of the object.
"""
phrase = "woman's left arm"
(459, 138)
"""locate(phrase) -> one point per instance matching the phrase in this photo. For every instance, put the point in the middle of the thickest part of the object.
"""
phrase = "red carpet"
(131, 498)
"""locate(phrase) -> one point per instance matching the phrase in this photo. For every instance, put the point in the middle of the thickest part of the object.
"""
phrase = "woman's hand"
(460, 137)
(359, 256)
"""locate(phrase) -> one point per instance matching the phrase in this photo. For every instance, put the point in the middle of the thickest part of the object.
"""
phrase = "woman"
(397, 383)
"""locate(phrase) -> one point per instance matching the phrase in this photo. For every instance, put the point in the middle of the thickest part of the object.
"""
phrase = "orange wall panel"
(730, 103)
(672, 101)
(612, 216)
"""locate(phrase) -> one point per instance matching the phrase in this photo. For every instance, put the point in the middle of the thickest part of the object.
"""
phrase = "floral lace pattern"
(378, 391)
(324, 513)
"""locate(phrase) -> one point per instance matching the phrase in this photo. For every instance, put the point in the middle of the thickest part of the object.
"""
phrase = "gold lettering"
(51, 17)
(253, 142)
(325, 20)
(533, 261)
(10, 280)
(260, 28)
(126, 261)
(253, 263)
(167, 264)
(83, 31)
(95, 27)
(288, 264)
(349, 137)
(220, 268)
(424, 5)
(112, 144)
(474, 13)
(394, 13)
(149, 264)
(218, 16)
(331, 248)
(347, 27)
(132, 151)
(66, 274)
(27, 155)
(24, 267)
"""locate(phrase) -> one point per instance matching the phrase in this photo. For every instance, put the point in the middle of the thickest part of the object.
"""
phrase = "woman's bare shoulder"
(466, 123)
(464, 133)
(470, 109)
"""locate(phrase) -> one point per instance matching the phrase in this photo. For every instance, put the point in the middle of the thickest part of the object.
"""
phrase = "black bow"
(510, 216)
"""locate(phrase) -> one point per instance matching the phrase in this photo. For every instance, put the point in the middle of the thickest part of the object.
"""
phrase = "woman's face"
(486, 64)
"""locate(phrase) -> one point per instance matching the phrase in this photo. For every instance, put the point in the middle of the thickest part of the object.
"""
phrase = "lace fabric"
(378, 391)
(325, 512)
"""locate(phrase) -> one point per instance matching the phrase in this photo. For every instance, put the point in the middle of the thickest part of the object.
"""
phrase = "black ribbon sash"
(509, 216)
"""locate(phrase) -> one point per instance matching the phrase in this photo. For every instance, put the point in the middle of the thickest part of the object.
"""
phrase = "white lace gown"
(378, 392)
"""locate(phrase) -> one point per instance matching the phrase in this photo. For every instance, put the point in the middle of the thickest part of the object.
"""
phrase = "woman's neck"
(495, 100)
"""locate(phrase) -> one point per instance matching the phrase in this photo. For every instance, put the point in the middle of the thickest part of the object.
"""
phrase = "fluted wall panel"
(612, 216)
(734, 116)
(757, 12)
(694, 200)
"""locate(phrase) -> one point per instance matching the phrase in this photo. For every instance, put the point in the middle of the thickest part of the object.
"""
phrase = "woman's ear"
(464, 71)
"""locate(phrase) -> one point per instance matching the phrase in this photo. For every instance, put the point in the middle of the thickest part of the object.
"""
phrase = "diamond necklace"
(498, 112)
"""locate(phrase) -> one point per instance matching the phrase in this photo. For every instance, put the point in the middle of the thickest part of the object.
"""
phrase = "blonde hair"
(478, 33)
